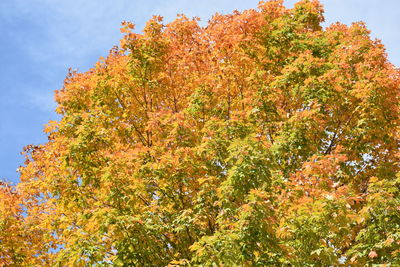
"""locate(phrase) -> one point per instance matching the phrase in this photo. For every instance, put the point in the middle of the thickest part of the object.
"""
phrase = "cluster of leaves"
(261, 139)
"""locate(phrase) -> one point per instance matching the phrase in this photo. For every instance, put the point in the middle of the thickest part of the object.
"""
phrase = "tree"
(261, 139)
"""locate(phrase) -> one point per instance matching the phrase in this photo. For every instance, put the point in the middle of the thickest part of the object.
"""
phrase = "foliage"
(261, 139)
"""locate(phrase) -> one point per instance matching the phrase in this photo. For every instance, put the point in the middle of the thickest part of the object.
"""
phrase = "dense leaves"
(261, 139)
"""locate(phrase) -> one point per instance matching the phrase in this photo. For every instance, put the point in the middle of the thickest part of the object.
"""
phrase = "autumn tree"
(260, 139)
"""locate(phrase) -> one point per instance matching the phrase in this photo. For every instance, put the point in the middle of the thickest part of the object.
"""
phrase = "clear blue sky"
(41, 39)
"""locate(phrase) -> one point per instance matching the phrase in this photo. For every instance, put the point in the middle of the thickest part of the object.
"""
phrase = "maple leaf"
(261, 139)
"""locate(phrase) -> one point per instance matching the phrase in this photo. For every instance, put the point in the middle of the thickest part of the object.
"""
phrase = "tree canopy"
(260, 139)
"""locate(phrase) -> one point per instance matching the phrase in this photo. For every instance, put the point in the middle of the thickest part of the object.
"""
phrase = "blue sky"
(41, 39)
